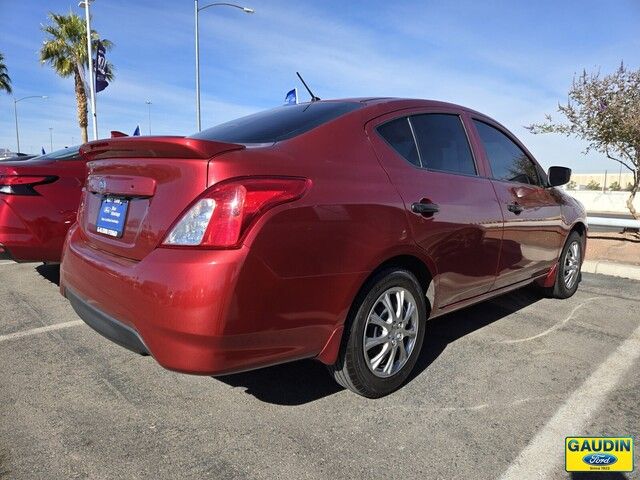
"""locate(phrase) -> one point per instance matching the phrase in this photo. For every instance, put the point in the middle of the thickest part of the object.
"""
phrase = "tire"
(387, 333)
(565, 286)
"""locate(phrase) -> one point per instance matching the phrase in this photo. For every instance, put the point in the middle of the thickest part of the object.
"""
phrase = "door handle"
(424, 208)
(515, 208)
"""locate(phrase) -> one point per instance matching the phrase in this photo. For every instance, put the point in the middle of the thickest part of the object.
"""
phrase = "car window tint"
(67, 153)
(279, 123)
(398, 134)
(443, 144)
(508, 161)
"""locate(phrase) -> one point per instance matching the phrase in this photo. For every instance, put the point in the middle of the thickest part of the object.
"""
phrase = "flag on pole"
(136, 132)
(101, 68)
(291, 98)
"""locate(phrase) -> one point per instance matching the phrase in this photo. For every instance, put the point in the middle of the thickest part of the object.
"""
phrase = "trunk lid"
(146, 183)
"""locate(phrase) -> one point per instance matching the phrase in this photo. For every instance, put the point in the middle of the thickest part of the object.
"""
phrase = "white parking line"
(36, 331)
(573, 416)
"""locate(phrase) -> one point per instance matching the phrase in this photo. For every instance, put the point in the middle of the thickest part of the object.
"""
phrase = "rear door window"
(443, 144)
(398, 135)
(507, 160)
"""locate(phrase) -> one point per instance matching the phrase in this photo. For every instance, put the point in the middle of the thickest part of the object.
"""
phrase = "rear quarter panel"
(308, 259)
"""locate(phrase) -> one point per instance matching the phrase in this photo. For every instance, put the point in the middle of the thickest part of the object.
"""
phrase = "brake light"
(23, 184)
(222, 215)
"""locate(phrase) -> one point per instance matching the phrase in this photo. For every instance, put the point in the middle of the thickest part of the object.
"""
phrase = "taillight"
(23, 184)
(222, 215)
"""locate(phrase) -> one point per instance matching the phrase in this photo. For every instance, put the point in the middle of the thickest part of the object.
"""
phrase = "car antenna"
(313, 97)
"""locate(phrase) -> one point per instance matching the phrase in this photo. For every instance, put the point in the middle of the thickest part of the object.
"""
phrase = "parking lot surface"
(497, 388)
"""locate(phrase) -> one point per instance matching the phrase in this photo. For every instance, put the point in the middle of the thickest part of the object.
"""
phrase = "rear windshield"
(278, 123)
(67, 153)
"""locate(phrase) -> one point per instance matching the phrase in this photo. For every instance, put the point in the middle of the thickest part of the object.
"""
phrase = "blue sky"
(513, 60)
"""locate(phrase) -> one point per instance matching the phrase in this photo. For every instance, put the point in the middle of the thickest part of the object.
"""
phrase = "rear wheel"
(568, 273)
(384, 336)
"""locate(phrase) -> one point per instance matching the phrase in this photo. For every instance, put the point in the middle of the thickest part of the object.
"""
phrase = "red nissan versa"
(39, 200)
(328, 230)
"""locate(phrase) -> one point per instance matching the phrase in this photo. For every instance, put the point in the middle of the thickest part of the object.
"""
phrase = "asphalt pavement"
(497, 388)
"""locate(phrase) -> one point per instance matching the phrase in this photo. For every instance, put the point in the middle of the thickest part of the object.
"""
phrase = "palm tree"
(65, 49)
(5, 81)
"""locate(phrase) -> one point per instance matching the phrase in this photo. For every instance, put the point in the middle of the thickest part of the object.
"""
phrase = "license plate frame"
(112, 216)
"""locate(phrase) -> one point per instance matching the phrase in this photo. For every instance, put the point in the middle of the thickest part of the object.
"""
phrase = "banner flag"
(101, 68)
(291, 98)
(136, 132)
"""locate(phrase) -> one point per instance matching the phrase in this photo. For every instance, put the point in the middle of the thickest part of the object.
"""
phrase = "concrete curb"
(611, 268)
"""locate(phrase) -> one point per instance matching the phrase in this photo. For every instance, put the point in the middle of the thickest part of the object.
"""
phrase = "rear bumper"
(195, 311)
(106, 326)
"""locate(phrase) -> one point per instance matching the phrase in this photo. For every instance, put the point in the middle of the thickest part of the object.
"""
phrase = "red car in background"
(328, 230)
(39, 200)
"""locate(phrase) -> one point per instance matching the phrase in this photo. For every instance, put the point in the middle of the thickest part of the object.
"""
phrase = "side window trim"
(379, 134)
(516, 143)
(415, 141)
(407, 114)
(471, 149)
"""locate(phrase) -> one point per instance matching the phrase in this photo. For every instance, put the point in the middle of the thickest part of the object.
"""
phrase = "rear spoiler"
(155, 147)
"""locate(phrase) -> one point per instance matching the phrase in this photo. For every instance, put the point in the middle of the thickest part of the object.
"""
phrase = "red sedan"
(328, 230)
(39, 200)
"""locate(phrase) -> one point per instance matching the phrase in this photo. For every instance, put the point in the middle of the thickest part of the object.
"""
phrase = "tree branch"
(632, 170)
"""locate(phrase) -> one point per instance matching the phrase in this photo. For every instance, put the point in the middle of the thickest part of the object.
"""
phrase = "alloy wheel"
(571, 267)
(390, 332)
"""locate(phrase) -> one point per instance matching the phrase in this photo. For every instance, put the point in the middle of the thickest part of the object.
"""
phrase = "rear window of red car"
(67, 153)
(277, 124)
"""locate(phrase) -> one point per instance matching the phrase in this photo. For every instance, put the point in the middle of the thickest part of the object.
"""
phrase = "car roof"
(381, 105)
(378, 106)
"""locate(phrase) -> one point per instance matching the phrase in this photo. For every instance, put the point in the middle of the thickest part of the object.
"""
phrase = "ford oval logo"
(599, 459)
(102, 185)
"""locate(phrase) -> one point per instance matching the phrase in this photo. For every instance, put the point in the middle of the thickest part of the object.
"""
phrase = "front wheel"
(568, 273)
(384, 336)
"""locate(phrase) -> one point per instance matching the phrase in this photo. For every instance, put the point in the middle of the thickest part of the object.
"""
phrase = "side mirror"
(559, 176)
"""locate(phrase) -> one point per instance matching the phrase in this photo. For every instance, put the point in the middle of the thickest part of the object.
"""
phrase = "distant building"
(583, 179)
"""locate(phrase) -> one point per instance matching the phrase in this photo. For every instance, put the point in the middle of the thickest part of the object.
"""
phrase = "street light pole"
(50, 139)
(148, 102)
(92, 84)
(197, 10)
(15, 113)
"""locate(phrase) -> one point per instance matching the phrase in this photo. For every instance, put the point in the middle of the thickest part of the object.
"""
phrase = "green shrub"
(593, 185)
